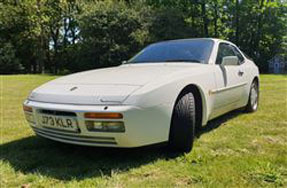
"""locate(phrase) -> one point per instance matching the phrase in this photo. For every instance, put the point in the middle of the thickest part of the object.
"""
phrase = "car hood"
(101, 86)
(122, 75)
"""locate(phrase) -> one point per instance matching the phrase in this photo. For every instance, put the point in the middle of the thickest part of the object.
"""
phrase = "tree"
(9, 63)
(107, 31)
(70, 35)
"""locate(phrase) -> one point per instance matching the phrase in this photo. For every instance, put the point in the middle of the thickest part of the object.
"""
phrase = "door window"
(223, 51)
(239, 55)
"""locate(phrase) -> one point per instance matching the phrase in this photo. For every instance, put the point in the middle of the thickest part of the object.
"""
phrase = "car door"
(230, 80)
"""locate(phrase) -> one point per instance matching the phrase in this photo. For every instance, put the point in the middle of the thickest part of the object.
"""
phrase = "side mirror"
(124, 62)
(230, 60)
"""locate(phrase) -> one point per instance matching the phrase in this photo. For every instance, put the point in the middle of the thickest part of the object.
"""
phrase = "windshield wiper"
(183, 60)
(169, 60)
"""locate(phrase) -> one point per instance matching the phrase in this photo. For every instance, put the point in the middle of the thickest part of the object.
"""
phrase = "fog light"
(105, 126)
(29, 117)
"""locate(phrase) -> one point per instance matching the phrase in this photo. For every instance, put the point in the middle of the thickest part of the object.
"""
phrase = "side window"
(239, 55)
(223, 51)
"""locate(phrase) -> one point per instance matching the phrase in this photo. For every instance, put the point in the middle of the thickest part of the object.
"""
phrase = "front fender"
(165, 91)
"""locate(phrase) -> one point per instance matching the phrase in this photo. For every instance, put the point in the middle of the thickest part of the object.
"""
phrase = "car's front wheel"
(253, 97)
(183, 123)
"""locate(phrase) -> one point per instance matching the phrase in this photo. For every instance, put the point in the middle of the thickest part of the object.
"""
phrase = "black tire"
(182, 128)
(252, 105)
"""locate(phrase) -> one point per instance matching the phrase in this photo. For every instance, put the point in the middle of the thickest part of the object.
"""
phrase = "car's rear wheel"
(252, 104)
(182, 128)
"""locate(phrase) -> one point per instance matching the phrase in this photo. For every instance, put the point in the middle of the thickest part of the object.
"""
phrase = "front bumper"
(143, 126)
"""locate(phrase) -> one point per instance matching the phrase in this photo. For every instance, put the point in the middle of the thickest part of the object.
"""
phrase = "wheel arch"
(256, 78)
(200, 101)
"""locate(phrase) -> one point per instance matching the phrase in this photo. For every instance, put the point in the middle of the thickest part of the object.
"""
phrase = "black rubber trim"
(61, 130)
(69, 139)
(78, 136)
(57, 113)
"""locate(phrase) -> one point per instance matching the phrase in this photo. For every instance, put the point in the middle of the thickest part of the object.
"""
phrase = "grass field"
(236, 150)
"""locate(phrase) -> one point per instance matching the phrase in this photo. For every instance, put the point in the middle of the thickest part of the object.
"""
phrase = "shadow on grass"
(215, 123)
(71, 162)
(67, 162)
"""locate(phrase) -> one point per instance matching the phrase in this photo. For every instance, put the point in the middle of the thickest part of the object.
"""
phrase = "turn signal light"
(27, 108)
(96, 115)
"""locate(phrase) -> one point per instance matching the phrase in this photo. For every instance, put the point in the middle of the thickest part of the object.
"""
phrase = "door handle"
(240, 73)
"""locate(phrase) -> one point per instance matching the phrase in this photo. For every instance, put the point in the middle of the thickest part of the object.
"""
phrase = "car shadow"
(70, 162)
(215, 123)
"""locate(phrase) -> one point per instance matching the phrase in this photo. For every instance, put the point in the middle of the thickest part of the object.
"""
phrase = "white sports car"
(163, 94)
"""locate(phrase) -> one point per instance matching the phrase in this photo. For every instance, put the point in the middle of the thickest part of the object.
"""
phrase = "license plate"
(59, 122)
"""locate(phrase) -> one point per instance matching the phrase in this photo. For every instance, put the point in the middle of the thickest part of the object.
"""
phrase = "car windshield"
(193, 50)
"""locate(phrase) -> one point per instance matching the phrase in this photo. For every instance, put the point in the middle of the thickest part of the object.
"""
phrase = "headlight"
(105, 126)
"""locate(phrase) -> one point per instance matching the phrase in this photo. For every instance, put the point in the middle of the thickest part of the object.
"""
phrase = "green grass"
(235, 150)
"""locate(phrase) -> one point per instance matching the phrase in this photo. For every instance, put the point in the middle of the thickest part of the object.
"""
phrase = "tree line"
(63, 36)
